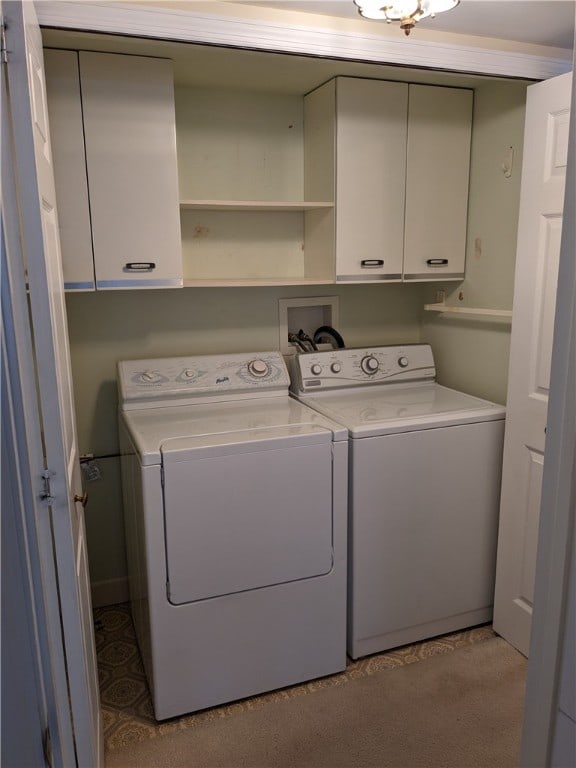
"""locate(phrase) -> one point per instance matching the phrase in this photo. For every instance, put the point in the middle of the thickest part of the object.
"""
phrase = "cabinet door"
(129, 127)
(67, 138)
(370, 179)
(438, 161)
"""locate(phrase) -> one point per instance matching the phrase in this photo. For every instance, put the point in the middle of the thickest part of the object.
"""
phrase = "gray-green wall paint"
(471, 355)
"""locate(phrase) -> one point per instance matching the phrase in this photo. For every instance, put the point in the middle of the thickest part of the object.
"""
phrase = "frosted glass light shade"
(407, 12)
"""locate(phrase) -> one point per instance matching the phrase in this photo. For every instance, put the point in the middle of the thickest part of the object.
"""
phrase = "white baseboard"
(110, 592)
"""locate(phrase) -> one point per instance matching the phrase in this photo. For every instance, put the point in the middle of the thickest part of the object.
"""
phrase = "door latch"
(46, 494)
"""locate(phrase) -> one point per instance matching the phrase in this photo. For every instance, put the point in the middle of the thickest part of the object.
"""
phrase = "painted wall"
(110, 326)
(472, 353)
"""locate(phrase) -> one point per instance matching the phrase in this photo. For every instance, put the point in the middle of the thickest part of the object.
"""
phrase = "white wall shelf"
(444, 308)
(252, 205)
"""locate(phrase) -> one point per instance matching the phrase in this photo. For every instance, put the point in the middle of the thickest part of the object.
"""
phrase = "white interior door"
(538, 249)
(39, 236)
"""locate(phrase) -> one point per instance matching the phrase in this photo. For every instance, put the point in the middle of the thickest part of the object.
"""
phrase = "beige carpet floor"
(461, 709)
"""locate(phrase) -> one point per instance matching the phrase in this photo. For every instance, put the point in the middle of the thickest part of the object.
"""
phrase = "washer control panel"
(175, 380)
(313, 371)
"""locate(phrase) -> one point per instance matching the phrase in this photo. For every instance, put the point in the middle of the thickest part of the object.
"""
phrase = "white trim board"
(187, 26)
(110, 592)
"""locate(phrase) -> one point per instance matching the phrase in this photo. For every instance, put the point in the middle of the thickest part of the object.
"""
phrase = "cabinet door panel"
(67, 138)
(370, 184)
(129, 125)
(438, 160)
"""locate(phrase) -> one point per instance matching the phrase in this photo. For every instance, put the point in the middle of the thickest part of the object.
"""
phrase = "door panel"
(539, 231)
(38, 223)
(548, 268)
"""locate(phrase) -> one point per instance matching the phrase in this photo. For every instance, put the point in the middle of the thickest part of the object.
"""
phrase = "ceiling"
(539, 22)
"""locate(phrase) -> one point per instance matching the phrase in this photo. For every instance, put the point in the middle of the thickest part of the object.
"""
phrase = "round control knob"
(369, 364)
(316, 369)
(188, 373)
(403, 362)
(258, 368)
(335, 367)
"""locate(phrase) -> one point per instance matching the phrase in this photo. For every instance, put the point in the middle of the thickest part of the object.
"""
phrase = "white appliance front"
(236, 519)
(235, 514)
(423, 531)
(425, 467)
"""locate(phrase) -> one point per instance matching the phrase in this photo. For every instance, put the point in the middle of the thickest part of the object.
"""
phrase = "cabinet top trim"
(185, 26)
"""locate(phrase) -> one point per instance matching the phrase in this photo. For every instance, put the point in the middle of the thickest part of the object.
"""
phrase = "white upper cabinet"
(438, 162)
(399, 170)
(112, 119)
(370, 178)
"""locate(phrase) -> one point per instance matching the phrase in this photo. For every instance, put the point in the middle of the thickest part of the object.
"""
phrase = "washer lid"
(367, 412)
(213, 423)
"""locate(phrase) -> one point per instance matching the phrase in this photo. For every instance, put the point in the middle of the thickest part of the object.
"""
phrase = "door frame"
(33, 516)
(556, 531)
(246, 31)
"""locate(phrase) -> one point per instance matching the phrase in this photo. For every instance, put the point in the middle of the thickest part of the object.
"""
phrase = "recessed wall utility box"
(306, 314)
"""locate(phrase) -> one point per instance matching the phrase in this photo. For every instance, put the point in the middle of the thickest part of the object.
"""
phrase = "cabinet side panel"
(319, 180)
(67, 140)
(130, 135)
(439, 132)
(319, 143)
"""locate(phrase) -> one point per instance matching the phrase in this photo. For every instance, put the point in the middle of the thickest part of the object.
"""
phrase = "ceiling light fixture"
(407, 12)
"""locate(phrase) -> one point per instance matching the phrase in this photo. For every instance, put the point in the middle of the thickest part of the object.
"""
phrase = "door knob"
(82, 499)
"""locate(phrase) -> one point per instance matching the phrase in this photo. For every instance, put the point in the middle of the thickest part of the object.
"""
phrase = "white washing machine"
(424, 487)
(235, 510)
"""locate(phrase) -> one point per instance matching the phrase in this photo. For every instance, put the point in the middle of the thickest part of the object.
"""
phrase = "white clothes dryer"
(424, 487)
(235, 510)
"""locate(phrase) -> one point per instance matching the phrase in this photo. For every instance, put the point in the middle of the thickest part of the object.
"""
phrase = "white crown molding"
(185, 26)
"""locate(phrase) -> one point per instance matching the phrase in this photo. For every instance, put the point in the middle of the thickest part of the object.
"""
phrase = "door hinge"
(47, 748)
(3, 49)
(46, 494)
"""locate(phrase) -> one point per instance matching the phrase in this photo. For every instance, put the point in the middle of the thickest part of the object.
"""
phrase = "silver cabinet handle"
(139, 266)
(372, 263)
(437, 262)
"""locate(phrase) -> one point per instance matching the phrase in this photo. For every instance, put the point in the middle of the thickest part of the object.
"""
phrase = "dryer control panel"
(161, 382)
(366, 366)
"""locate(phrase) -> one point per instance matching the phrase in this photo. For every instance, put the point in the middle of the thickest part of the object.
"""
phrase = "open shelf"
(481, 312)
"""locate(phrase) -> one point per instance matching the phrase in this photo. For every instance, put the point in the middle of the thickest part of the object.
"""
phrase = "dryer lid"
(244, 441)
(150, 428)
